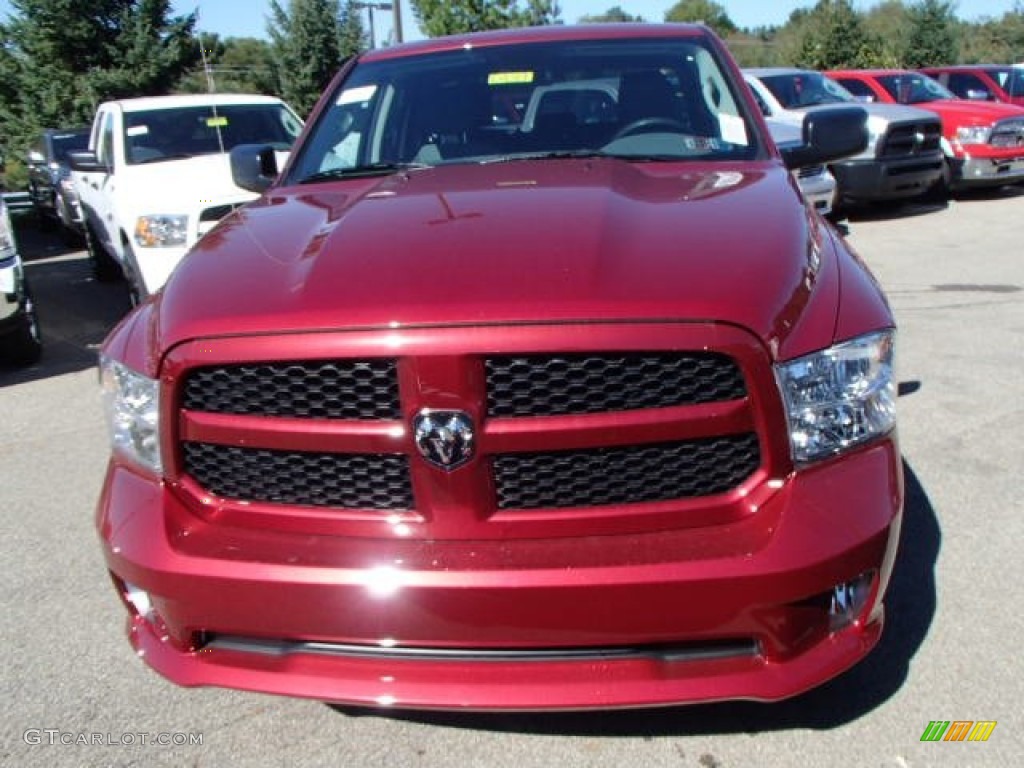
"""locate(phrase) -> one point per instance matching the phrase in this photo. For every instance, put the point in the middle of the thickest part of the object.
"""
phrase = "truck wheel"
(940, 191)
(25, 345)
(104, 268)
(137, 292)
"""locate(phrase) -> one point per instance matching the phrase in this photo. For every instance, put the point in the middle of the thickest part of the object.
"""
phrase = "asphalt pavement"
(74, 694)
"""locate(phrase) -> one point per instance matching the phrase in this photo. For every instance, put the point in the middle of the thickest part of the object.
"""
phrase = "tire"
(137, 292)
(25, 345)
(104, 268)
(940, 191)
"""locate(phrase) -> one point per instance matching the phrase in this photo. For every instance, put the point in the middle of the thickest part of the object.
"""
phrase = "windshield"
(68, 142)
(637, 99)
(912, 88)
(805, 89)
(1010, 79)
(169, 134)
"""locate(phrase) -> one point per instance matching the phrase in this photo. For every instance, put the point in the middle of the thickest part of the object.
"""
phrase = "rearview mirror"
(827, 135)
(254, 166)
(85, 160)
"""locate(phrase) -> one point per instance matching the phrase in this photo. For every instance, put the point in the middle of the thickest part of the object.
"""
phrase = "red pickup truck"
(982, 82)
(983, 141)
(462, 413)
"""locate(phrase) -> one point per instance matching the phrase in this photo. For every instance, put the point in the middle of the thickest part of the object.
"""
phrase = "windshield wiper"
(576, 154)
(362, 171)
(568, 154)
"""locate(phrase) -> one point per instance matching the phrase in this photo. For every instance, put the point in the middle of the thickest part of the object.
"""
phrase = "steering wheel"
(649, 122)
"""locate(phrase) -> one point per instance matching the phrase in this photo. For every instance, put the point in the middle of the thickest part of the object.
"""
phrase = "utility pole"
(397, 7)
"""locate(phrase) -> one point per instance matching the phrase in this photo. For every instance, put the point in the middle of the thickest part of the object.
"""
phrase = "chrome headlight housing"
(132, 405)
(840, 397)
(974, 134)
(161, 230)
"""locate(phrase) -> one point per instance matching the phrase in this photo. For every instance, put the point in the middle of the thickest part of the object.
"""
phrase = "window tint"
(165, 134)
(664, 98)
(858, 88)
(805, 89)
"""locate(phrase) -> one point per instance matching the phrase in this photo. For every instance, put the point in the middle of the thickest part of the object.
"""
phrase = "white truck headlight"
(840, 397)
(161, 230)
(132, 405)
(7, 246)
(974, 134)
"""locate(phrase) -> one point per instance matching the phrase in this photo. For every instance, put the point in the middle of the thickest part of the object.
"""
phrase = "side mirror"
(829, 134)
(36, 158)
(85, 160)
(254, 167)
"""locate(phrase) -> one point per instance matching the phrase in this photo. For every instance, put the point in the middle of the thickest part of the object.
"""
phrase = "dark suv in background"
(50, 186)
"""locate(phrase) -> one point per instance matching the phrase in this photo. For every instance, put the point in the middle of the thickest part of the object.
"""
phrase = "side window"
(968, 86)
(761, 103)
(858, 88)
(105, 145)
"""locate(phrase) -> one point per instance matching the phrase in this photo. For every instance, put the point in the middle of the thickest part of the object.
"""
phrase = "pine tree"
(835, 37)
(60, 58)
(704, 11)
(353, 40)
(305, 41)
(451, 17)
(932, 40)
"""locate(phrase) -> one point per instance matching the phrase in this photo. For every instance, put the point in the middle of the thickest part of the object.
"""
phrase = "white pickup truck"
(157, 176)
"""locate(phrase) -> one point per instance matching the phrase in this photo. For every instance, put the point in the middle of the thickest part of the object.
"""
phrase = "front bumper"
(734, 611)
(988, 167)
(887, 179)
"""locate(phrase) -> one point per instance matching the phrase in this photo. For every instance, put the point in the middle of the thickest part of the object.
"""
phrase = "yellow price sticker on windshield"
(509, 78)
(216, 122)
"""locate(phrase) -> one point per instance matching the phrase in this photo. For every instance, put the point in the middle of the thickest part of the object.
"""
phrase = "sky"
(226, 18)
(247, 18)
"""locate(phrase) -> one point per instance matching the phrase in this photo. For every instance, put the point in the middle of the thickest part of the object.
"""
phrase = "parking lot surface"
(75, 695)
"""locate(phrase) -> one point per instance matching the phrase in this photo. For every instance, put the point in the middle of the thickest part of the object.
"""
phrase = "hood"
(517, 242)
(964, 112)
(184, 185)
(901, 113)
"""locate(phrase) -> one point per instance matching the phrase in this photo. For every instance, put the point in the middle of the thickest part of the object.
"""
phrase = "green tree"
(932, 38)
(834, 36)
(61, 57)
(994, 40)
(235, 64)
(305, 42)
(705, 11)
(352, 35)
(437, 18)
(615, 14)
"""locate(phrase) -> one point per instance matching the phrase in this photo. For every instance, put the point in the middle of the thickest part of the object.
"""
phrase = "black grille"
(544, 386)
(659, 472)
(349, 389)
(370, 481)
(910, 139)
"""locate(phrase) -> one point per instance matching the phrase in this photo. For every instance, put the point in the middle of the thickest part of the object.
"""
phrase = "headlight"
(161, 230)
(7, 246)
(132, 405)
(840, 397)
(974, 134)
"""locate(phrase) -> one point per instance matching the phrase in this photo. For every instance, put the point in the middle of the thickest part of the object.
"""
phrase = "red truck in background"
(983, 141)
(982, 82)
